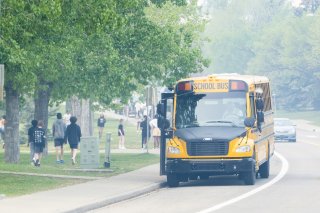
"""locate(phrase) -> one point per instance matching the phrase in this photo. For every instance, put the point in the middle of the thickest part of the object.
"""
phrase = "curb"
(52, 175)
(119, 198)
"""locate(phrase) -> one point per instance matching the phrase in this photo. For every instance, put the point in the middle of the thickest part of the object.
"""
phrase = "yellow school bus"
(220, 125)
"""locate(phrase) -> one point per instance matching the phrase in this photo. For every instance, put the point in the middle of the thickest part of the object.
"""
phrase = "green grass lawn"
(312, 116)
(13, 185)
(132, 137)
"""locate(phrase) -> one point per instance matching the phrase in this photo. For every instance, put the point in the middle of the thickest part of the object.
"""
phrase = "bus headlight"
(243, 149)
(173, 150)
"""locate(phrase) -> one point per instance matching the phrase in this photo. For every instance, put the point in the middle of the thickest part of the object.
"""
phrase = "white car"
(284, 130)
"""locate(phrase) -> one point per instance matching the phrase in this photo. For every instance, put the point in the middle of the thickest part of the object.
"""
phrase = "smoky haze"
(278, 39)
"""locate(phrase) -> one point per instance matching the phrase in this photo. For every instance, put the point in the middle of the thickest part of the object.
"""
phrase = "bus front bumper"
(214, 167)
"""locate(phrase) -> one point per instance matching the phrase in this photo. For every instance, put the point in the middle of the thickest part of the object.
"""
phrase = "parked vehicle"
(284, 130)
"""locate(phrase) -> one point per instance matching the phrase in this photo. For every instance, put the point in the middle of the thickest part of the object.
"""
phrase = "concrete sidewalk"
(89, 195)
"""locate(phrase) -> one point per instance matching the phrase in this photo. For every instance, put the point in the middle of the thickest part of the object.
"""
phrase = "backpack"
(39, 136)
(59, 129)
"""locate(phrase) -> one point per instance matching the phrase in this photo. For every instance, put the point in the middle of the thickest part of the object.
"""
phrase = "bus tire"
(172, 180)
(250, 177)
(264, 169)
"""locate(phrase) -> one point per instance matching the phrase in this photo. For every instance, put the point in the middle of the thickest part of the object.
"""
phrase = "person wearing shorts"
(58, 131)
(73, 135)
(31, 130)
(39, 136)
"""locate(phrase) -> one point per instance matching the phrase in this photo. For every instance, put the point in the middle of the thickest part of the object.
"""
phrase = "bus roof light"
(238, 85)
(184, 86)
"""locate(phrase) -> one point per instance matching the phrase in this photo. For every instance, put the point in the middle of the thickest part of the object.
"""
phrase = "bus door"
(164, 113)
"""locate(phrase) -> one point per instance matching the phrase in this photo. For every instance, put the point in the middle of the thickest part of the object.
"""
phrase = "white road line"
(311, 136)
(283, 171)
(310, 143)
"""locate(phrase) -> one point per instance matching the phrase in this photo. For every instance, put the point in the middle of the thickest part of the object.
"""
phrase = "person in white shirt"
(156, 133)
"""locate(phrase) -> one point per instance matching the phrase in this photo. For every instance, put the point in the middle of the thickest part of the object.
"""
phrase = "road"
(293, 186)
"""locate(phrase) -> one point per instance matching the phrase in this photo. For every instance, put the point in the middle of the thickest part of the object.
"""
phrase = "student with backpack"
(58, 130)
(39, 142)
(31, 130)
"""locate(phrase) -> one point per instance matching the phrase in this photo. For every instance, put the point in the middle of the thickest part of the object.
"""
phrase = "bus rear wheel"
(172, 180)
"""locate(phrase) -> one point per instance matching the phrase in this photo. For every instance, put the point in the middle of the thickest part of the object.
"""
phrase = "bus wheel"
(172, 180)
(250, 177)
(264, 169)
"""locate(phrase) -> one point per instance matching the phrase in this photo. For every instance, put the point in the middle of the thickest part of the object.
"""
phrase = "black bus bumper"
(212, 167)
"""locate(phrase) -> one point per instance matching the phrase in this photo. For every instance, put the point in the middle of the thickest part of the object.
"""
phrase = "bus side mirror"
(249, 122)
(160, 109)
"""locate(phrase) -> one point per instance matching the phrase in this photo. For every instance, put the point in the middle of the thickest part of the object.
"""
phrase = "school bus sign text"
(211, 86)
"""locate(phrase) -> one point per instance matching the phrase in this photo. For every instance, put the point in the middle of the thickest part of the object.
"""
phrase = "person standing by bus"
(101, 123)
(156, 133)
(145, 131)
(73, 135)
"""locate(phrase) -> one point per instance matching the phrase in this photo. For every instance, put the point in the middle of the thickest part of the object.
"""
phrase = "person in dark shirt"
(101, 123)
(121, 134)
(73, 135)
(34, 124)
(39, 135)
(145, 131)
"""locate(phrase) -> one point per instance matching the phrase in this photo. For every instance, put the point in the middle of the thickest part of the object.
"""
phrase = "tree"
(96, 50)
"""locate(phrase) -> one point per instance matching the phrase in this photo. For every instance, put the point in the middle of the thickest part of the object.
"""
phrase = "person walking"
(67, 117)
(58, 130)
(73, 135)
(101, 123)
(156, 133)
(121, 134)
(39, 143)
(145, 131)
(34, 124)
(2, 125)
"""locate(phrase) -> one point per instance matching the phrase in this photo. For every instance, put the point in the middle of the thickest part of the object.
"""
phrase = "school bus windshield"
(210, 109)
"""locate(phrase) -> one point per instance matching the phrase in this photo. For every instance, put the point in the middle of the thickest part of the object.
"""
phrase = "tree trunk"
(11, 138)
(41, 109)
(82, 110)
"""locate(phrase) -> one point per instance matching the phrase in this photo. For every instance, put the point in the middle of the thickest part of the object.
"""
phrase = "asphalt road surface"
(293, 186)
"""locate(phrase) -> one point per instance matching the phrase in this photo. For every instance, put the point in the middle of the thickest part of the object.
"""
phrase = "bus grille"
(208, 148)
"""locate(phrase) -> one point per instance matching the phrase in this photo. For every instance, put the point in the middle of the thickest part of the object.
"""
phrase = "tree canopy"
(95, 49)
(271, 38)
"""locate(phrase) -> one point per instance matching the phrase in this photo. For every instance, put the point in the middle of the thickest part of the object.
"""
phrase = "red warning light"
(238, 85)
(184, 86)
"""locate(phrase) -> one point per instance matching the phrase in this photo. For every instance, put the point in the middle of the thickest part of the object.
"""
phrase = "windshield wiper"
(223, 122)
(191, 125)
